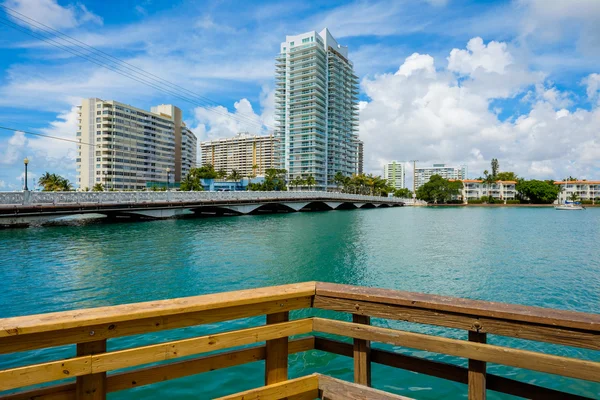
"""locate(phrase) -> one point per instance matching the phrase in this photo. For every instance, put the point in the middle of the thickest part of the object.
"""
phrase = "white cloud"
(2, 184)
(420, 113)
(217, 122)
(592, 83)
(49, 12)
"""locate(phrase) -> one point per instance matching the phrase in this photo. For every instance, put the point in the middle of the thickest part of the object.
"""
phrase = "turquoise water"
(532, 256)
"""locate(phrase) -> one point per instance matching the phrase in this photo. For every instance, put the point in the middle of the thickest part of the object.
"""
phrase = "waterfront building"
(423, 174)
(249, 155)
(474, 189)
(360, 156)
(316, 102)
(394, 174)
(585, 190)
(123, 147)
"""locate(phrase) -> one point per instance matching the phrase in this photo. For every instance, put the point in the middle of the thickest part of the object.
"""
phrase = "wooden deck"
(91, 370)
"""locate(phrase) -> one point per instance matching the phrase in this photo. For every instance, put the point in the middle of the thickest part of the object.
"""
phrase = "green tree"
(274, 180)
(507, 176)
(574, 197)
(495, 168)
(537, 192)
(54, 183)
(438, 190)
(221, 174)
(234, 176)
(310, 181)
(297, 181)
(98, 188)
(403, 193)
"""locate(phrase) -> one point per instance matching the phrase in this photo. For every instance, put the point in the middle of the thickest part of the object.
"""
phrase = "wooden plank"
(137, 311)
(477, 371)
(447, 371)
(93, 386)
(362, 354)
(336, 389)
(512, 312)
(164, 372)
(305, 386)
(521, 330)
(78, 366)
(276, 362)
(83, 334)
(574, 368)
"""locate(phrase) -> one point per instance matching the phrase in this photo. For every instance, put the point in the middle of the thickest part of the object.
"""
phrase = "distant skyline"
(442, 81)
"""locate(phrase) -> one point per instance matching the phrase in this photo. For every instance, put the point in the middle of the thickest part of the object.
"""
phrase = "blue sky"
(450, 81)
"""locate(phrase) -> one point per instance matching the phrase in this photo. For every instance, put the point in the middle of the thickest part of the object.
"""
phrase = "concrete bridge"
(25, 208)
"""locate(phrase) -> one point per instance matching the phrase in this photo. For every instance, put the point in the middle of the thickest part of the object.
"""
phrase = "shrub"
(454, 202)
(476, 201)
(587, 202)
(513, 201)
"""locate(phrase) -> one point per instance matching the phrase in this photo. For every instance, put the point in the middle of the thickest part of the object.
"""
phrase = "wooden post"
(362, 354)
(477, 371)
(276, 361)
(93, 386)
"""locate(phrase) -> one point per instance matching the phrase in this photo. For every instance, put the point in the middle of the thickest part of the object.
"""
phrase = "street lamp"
(168, 172)
(26, 161)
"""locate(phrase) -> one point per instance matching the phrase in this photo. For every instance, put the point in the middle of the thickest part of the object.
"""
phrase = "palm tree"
(54, 183)
(574, 197)
(235, 176)
(221, 174)
(297, 181)
(310, 181)
(98, 188)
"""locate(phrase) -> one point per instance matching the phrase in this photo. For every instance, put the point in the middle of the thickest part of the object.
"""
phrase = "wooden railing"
(90, 329)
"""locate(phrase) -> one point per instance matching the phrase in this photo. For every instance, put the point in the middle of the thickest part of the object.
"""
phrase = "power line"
(46, 136)
(141, 77)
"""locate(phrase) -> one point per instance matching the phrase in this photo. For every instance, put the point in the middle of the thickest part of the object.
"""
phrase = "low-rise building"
(249, 155)
(423, 174)
(475, 189)
(585, 190)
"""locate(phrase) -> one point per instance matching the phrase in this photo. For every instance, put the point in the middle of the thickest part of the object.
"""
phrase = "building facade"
(249, 155)
(394, 173)
(316, 108)
(423, 174)
(474, 189)
(360, 157)
(123, 147)
(585, 190)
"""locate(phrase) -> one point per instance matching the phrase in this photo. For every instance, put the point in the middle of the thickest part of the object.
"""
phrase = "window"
(305, 40)
(291, 44)
(98, 105)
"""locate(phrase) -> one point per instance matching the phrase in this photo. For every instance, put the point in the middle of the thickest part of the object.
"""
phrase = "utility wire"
(6, 128)
(120, 64)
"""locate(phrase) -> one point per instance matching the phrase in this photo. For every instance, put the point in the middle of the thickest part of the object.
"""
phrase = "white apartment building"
(394, 172)
(249, 155)
(123, 147)
(585, 190)
(360, 156)
(316, 108)
(423, 174)
(474, 189)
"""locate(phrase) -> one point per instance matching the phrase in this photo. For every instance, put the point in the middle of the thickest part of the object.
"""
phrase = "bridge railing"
(30, 198)
(90, 329)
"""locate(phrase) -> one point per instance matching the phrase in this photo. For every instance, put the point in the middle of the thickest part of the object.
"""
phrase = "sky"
(441, 81)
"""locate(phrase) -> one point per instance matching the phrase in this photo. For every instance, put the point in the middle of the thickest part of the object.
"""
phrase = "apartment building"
(394, 172)
(123, 147)
(423, 174)
(249, 155)
(474, 189)
(585, 190)
(360, 156)
(316, 108)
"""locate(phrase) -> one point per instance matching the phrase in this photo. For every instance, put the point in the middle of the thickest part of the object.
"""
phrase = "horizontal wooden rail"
(67, 327)
(564, 366)
(533, 323)
(163, 372)
(446, 371)
(304, 388)
(103, 362)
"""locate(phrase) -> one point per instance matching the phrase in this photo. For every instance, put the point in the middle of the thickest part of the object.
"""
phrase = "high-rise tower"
(316, 104)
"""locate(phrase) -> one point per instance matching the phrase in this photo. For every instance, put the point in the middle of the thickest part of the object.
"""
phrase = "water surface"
(532, 256)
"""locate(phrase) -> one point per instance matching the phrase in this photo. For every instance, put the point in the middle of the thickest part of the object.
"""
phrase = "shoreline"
(504, 205)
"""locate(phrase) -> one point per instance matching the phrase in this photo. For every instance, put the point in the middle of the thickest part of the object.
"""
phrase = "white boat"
(569, 207)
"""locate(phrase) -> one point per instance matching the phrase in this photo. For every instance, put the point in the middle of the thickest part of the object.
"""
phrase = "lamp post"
(168, 173)
(26, 161)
